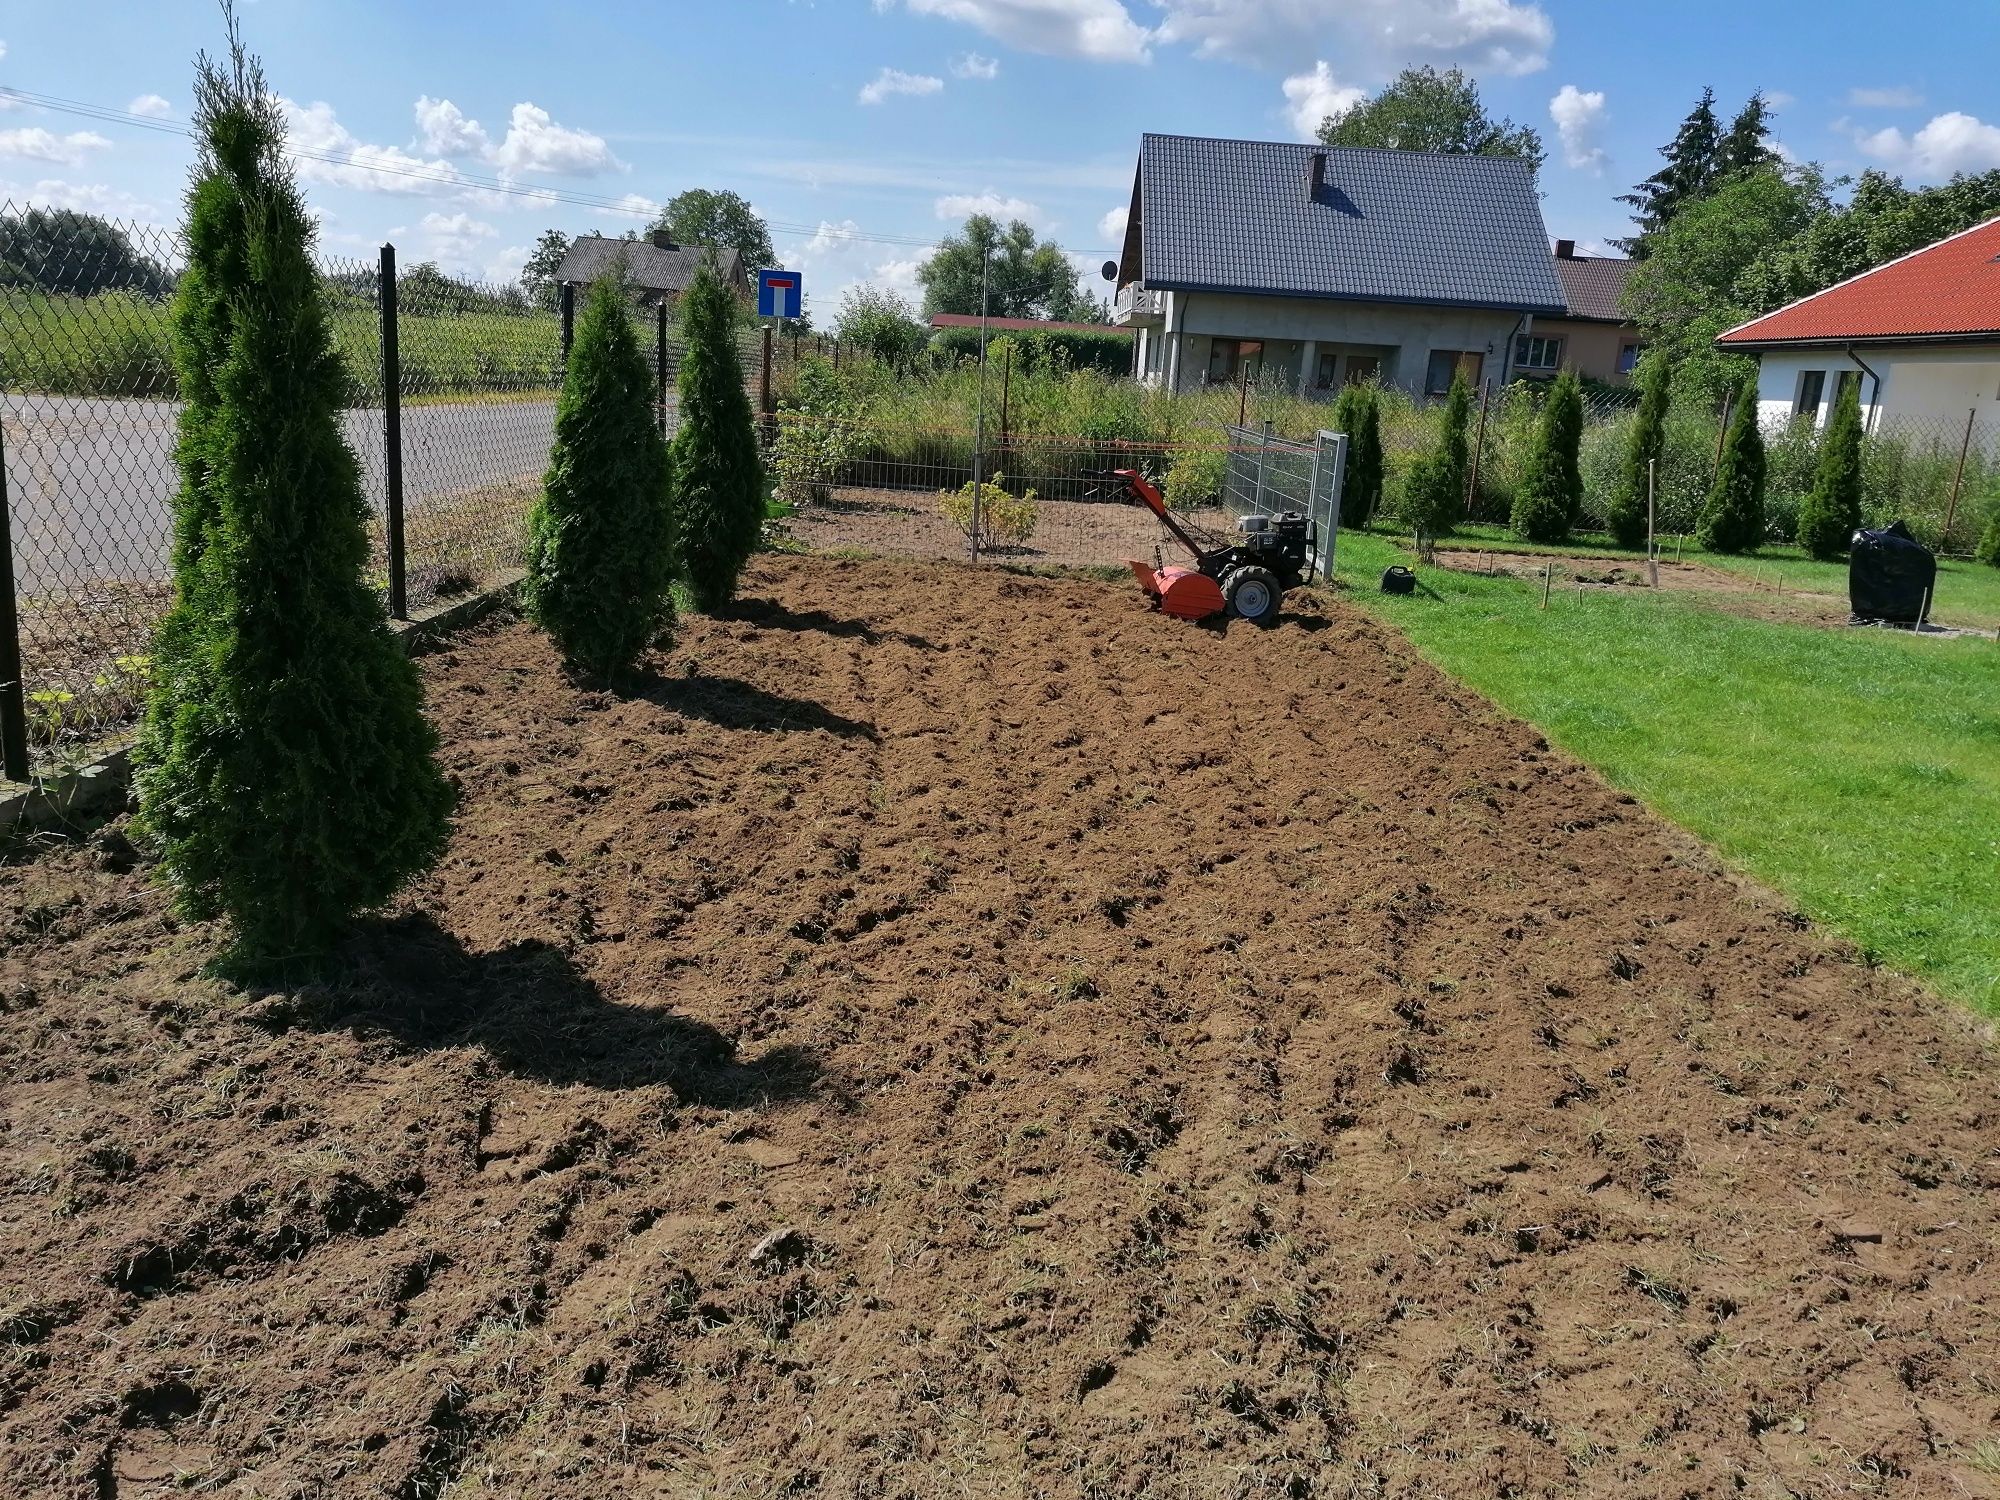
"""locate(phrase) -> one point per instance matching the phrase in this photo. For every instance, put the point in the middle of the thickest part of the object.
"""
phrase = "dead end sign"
(779, 294)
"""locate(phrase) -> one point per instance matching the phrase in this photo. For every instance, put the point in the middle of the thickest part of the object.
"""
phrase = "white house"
(1330, 264)
(1920, 337)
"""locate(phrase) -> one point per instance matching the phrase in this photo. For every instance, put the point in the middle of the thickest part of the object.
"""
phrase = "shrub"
(284, 767)
(1832, 511)
(818, 436)
(1195, 478)
(1430, 499)
(718, 480)
(1358, 413)
(1988, 548)
(1645, 444)
(600, 537)
(1732, 520)
(1051, 350)
(1551, 488)
(1003, 518)
(1455, 446)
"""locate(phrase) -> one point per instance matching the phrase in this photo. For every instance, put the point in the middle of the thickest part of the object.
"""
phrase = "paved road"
(90, 482)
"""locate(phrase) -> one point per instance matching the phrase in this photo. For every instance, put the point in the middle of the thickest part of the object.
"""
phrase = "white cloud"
(3, 49)
(1101, 30)
(833, 261)
(1111, 228)
(1954, 142)
(153, 105)
(325, 150)
(457, 241)
(972, 65)
(85, 197)
(535, 143)
(1886, 98)
(1311, 97)
(1579, 117)
(444, 130)
(1375, 36)
(32, 143)
(638, 206)
(895, 81)
(965, 205)
(1779, 99)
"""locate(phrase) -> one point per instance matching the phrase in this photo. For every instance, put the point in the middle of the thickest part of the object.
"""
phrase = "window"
(1446, 363)
(1229, 358)
(1812, 386)
(1532, 352)
(1628, 357)
(1847, 380)
(1362, 368)
(1323, 376)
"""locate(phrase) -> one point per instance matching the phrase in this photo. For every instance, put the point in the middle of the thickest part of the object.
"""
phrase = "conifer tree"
(285, 770)
(1988, 548)
(1551, 488)
(1434, 488)
(600, 538)
(1732, 518)
(1688, 176)
(718, 477)
(1832, 511)
(1455, 442)
(1644, 446)
(1357, 413)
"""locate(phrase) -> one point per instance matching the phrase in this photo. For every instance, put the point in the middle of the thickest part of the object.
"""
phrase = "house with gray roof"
(1324, 265)
(658, 268)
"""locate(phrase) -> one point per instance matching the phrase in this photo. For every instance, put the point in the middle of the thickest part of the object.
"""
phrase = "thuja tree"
(284, 769)
(1551, 487)
(718, 479)
(1645, 446)
(600, 537)
(1832, 508)
(1454, 443)
(1732, 518)
(1358, 413)
(1988, 549)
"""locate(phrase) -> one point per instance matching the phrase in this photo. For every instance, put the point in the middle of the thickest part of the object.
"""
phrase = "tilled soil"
(956, 1034)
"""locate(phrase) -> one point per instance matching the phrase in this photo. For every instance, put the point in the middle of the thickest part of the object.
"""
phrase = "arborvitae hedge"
(1430, 498)
(1456, 447)
(1831, 512)
(1646, 444)
(1358, 413)
(1551, 488)
(718, 478)
(1732, 518)
(284, 767)
(600, 538)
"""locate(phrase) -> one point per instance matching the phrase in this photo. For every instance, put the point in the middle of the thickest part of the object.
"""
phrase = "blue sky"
(864, 129)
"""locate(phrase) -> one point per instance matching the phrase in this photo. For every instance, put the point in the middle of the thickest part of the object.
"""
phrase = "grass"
(1857, 772)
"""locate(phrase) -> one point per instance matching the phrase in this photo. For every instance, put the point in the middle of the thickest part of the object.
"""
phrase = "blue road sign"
(779, 294)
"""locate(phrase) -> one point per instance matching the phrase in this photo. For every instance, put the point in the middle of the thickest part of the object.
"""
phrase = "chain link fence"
(450, 411)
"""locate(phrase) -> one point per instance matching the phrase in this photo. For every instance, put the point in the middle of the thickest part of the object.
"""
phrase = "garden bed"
(955, 1033)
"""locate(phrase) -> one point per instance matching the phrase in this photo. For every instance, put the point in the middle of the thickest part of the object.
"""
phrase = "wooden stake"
(1548, 581)
(1957, 480)
(1652, 553)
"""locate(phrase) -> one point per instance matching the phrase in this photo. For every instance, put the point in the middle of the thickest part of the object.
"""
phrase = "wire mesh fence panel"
(1271, 477)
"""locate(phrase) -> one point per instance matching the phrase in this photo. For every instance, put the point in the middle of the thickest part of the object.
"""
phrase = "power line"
(457, 180)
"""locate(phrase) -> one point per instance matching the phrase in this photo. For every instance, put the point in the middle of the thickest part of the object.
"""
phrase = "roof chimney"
(1316, 175)
(1565, 249)
(662, 240)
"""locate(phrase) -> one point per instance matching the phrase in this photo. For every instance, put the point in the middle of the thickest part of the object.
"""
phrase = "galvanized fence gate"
(1269, 475)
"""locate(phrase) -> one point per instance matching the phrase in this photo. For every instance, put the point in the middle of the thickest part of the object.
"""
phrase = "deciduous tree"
(706, 216)
(1026, 277)
(1427, 110)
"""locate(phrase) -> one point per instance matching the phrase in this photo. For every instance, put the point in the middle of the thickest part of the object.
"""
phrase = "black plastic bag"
(1891, 576)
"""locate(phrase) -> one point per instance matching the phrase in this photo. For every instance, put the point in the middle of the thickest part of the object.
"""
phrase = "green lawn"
(1857, 771)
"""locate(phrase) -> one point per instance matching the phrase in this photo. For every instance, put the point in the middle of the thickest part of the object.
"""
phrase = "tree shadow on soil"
(731, 703)
(769, 614)
(534, 1014)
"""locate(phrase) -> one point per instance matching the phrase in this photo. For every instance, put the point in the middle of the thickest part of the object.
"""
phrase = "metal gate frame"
(1269, 475)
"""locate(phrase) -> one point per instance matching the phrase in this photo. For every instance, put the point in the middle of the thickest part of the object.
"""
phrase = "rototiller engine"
(1245, 574)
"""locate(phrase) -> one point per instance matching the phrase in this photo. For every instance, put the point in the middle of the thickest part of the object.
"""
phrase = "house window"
(1362, 368)
(1812, 386)
(1847, 380)
(1446, 363)
(1230, 358)
(1536, 354)
(1323, 376)
(1628, 358)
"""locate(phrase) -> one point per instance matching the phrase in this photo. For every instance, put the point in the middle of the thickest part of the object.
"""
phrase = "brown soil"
(1727, 591)
(958, 1034)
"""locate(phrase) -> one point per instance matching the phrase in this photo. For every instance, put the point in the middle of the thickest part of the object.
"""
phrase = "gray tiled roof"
(1594, 287)
(652, 268)
(1389, 226)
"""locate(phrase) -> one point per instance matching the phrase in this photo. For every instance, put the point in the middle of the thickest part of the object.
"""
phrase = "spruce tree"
(1732, 518)
(285, 770)
(1693, 158)
(1644, 446)
(1832, 511)
(718, 478)
(1551, 488)
(1358, 413)
(600, 538)
(1747, 145)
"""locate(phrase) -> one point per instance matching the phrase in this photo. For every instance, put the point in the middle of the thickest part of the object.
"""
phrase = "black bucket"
(1891, 577)
(1399, 580)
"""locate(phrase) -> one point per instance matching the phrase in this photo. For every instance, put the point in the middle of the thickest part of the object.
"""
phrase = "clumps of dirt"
(952, 1033)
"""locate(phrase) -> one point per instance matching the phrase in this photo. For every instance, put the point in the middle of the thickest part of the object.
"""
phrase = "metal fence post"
(567, 301)
(1478, 451)
(392, 436)
(765, 406)
(13, 699)
(660, 359)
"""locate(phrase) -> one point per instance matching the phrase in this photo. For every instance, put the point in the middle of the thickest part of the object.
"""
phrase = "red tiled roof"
(1022, 325)
(1947, 290)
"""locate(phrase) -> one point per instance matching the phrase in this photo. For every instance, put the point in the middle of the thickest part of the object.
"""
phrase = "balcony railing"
(1137, 305)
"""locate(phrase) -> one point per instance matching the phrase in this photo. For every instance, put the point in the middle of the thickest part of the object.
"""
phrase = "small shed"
(660, 269)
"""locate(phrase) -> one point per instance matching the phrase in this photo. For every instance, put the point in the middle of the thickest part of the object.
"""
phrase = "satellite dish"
(1111, 270)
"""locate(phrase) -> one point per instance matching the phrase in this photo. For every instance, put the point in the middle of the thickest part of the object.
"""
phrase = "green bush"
(1051, 350)
(1832, 511)
(1430, 495)
(1645, 444)
(1455, 444)
(284, 766)
(718, 478)
(1358, 413)
(818, 436)
(1791, 462)
(1551, 489)
(1003, 518)
(1195, 478)
(1987, 549)
(600, 537)
(1732, 520)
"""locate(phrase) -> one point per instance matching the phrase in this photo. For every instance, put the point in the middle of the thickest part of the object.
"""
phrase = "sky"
(864, 130)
